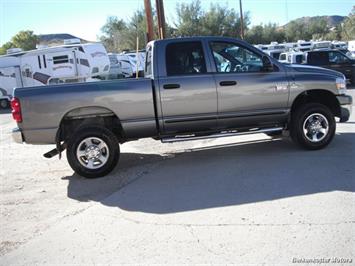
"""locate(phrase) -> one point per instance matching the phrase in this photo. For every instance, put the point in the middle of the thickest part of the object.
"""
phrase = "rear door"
(187, 89)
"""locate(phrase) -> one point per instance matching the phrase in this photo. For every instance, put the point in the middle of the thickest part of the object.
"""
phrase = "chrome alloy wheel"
(315, 127)
(92, 153)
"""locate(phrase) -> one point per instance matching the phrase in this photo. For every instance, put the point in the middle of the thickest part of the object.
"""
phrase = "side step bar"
(219, 135)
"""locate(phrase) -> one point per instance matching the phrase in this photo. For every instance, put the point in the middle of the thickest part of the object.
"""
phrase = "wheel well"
(318, 96)
(89, 116)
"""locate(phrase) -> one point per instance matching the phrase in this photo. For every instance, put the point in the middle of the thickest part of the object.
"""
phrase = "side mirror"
(267, 65)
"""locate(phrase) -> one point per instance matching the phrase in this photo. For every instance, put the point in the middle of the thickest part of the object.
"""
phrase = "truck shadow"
(223, 175)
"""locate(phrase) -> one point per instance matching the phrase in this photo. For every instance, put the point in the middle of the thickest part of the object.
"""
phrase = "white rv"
(125, 64)
(317, 45)
(137, 64)
(304, 46)
(351, 48)
(339, 45)
(53, 65)
(275, 49)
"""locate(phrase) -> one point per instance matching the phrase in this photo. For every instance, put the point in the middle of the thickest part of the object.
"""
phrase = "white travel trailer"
(53, 65)
(304, 46)
(125, 64)
(291, 57)
(134, 61)
(316, 45)
(351, 48)
(120, 66)
(275, 49)
(339, 45)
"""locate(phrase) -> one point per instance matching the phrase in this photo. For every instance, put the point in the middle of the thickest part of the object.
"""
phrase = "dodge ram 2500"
(193, 88)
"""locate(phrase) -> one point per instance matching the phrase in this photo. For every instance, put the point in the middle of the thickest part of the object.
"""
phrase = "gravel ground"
(237, 200)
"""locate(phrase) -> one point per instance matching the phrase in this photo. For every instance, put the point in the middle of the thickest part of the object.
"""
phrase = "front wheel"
(312, 126)
(93, 151)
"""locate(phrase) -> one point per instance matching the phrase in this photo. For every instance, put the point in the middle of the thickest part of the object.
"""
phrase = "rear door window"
(185, 58)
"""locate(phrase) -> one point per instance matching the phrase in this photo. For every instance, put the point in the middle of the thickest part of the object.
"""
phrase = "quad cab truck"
(194, 88)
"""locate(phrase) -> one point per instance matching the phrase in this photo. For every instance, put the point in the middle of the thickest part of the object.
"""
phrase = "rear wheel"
(4, 103)
(93, 151)
(312, 126)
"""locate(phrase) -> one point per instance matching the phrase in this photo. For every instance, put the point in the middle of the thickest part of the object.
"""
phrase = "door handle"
(171, 86)
(228, 83)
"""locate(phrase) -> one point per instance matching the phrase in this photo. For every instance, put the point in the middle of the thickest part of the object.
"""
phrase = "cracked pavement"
(238, 200)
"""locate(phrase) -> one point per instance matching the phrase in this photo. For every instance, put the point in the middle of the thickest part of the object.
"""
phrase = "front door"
(187, 91)
(248, 94)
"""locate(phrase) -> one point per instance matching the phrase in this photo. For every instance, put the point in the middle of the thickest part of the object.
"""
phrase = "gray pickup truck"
(200, 87)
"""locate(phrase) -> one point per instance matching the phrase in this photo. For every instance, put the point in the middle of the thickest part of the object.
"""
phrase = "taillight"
(16, 109)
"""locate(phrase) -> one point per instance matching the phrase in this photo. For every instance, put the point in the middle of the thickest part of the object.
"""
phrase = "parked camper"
(318, 45)
(304, 46)
(137, 63)
(275, 49)
(339, 45)
(53, 65)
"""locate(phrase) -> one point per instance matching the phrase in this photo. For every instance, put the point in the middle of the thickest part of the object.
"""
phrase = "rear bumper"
(345, 107)
(17, 135)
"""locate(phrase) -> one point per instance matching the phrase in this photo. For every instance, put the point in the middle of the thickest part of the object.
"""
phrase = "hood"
(314, 69)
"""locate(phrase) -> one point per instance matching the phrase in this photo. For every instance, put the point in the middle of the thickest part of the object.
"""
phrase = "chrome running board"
(219, 135)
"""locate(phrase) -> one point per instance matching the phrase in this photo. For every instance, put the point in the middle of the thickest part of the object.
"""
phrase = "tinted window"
(282, 56)
(337, 57)
(185, 58)
(299, 59)
(230, 57)
(148, 61)
(318, 58)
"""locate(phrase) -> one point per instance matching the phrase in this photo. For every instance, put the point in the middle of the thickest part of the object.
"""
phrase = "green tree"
(222, 21)
(5, 47)
(263, 34)
(112, 30)
(219, 20)
(348, 27)
(25, 40)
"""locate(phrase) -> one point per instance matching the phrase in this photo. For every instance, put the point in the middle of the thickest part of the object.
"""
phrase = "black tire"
(298, 121)
(4, 104)
(91, 133)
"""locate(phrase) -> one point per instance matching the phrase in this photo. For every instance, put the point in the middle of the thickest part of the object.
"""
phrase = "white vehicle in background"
(67, 63)
(339, 45)
(291, 57)
(115, 68)
(137, 64)
(126, 66)
(351, 48)
(261, 47)
(275, 49)
(304, 46)
(290, 46)
(318, 45)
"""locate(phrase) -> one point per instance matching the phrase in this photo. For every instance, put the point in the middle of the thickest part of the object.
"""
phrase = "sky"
(84, 18)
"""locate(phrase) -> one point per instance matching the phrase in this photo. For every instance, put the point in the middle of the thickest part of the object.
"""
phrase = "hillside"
(332, 21)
